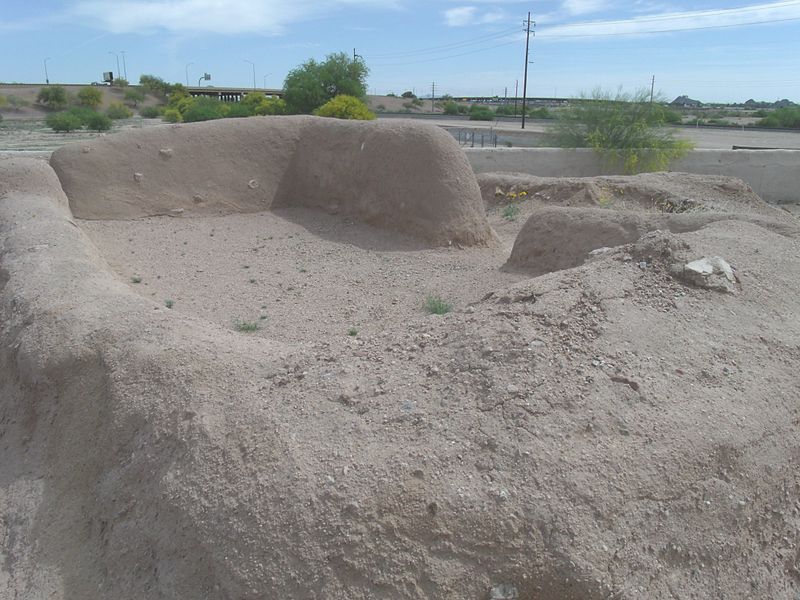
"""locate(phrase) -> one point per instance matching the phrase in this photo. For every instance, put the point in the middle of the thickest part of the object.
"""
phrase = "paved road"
(718, 139)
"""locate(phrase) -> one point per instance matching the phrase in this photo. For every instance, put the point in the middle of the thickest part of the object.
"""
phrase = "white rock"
(711, 273)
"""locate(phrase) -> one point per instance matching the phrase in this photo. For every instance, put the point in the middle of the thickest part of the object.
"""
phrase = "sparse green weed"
(245, 326)
(436, 306)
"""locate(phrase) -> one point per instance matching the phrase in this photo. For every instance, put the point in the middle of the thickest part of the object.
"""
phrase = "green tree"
(90, 96)
(202, 108)
(345, 107)
(312, 84)
(53, 96)
(627, 130)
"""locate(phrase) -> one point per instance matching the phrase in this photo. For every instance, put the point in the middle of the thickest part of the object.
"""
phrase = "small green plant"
(436, 306)
(252, 280)
(169, 303)
(117, 110)
(245, 326)
(450, 108)
(352, 332)
(511, 212)
(786, 118)
(136, 279)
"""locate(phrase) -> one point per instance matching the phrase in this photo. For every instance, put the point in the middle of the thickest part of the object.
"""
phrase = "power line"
(446, 47)
(426, 60)
(676, 30)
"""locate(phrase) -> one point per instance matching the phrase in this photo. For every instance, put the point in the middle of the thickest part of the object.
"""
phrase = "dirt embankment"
(605, 430)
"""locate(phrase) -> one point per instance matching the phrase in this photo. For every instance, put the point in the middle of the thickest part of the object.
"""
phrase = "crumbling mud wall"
(405, 176)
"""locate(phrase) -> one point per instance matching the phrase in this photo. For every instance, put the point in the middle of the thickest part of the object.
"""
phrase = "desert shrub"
(480, 113)
(202, 108)
(672, 117)
(381, 108)
(63, 121)
(150, 112)
(505, 110)
(463, 109)
(408, 106)
(98, 122)
(3, 101)
(416, 101)
(134, 96)
(787, 118)
(407, 95)
(236, 110)
(90, 96)
(760, 113)
(450, 108)
(627, 130)
(120, 82)
(173, 115)
(82, 113)
(117, 110)
(16, 102)
(346, 107)
(271, 106)
(53, 96)
(391, 95)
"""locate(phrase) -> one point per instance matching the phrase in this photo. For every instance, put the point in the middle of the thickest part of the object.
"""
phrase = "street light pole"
(187, 72)
(117, 55)
(46, 77)
(124, 66)
(252, 64)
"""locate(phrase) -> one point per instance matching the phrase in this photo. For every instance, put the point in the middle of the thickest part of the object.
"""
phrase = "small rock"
(176, 211)
(536, 344)
(643, 265)
(165, 152)
(252, 184)
(138, 177)
(503, 591)
(512, 389)
(711, 273)
(86, 149)
(197, 198)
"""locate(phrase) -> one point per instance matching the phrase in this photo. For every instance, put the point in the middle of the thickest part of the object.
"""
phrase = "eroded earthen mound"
(400, 175)
(605, 431)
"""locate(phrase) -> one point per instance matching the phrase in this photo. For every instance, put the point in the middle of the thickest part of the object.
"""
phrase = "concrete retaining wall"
(773, 174)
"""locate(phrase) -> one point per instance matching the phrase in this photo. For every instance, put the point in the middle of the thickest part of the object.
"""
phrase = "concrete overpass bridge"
(231, 94)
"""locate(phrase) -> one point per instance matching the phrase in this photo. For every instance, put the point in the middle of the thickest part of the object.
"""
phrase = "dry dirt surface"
(295, 424)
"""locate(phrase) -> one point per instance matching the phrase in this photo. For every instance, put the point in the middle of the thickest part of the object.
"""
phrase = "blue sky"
(714, 51)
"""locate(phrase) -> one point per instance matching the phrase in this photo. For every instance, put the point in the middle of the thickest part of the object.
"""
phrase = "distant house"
(686, 102)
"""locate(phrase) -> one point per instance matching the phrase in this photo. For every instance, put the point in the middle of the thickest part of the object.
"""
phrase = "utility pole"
(525, 81)
(652, 88)
(433, 97)
(187, 72)
(46, 77)
(516, 95)
(505, 96)
(124, 66)
(252, 64)
(356, 56)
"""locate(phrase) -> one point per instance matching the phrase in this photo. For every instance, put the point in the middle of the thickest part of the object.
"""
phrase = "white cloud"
(463, 16)
(584, 7)
(666, 22)
(209, 16)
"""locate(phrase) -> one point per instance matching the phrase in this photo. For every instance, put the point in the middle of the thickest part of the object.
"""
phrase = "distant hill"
(686, 102)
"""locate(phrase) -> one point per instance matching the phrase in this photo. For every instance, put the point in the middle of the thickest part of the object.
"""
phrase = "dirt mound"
(556, 238)
(401, 175)
(653, 192)
(606, 431)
